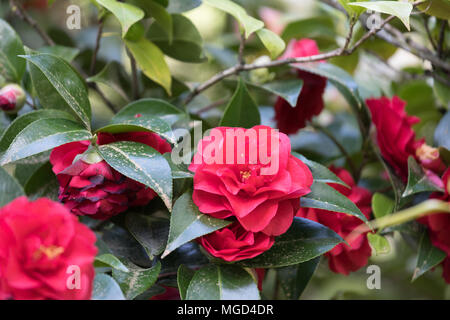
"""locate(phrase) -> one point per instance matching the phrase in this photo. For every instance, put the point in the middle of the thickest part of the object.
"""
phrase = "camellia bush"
(224, 149)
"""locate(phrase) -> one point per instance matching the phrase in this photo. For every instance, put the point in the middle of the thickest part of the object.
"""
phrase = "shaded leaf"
(184, 277)
(10, 189)
(294, 279)
(179, 6)
(418, 180)
(110, 260)
(42, 183)
(188, 223)
(305, 240)
(442, 132)
(12, 67)
(106, 288)
(289, 90)
(429, 256)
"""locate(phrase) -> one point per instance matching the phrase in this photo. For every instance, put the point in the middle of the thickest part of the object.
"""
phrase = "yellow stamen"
(245, 175)
(50, 252)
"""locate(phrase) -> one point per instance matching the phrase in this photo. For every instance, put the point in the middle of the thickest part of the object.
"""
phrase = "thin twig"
(134, 74)
(427, 29)
(21, 13)
(341, 148)
(440, 48)
(97, 47)
(241, 49)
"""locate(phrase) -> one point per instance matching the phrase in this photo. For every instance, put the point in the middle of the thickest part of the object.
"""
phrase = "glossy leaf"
(126, 13)
(294, 279)
(137, 280)
(23, 121)
(305, 240)
(249, 23)
(12, 67)
(10, 188)
(106, 288)
(149, 231)
(43, 135)
(110, 260)
(159, 13)
(141, 163)
(242, 110)
(273, 43)
(429, 256)
(186, 44)
(324, 197)
(59, 86)
(289, 90)
(222, 282)
(320, 173)
(401, 10)
(184, 277)
(188, 223)
(66, 53)
(418, 180)
(151, 60)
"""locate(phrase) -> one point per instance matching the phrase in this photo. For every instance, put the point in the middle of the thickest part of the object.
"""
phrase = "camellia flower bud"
(12, 98)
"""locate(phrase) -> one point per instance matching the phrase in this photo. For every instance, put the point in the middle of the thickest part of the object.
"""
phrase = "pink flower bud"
(12, 98)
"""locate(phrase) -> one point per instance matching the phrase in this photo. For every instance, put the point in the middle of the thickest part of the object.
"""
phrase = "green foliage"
(418, 180)
(12, 67)
(9, 188)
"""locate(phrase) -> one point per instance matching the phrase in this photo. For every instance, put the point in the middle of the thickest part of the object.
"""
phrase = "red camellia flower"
(94, 188)
(343, 258)
(233, 178)
(395, 136)
(35, 4)
(41, 246)
(234, 243)
(310, 102)
(439, 226)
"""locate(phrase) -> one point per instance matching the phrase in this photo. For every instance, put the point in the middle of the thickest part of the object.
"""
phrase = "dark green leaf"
(428, 258)
(159, 13)
(320, 173)
(106, 288)
(59, 86)
(222, 282)
(188, 223)
(321, 27)
(184, 277)
(43, 135)
(418, 180)
(42, 183)
(185, 45)
(23, 121)
(149, 231)
(66, 53)
(110, 260)
(11, 66)
(137, 280)
(140, 163)
(289, 90)
(294, 279)
(9, 188)
(324, 197)
(305, 240)
(242, 110)
(114, 76)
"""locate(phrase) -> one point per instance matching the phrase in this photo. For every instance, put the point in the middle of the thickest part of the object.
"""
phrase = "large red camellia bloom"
(395, 137)
(233, 179)
(310, 102)
(41, 246)
(96, 189)
(439, 226)
(234, 243)
(343, 258)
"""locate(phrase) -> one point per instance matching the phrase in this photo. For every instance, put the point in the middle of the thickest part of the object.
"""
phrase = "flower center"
(51, 252)
(245, 175)
(426, 152)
